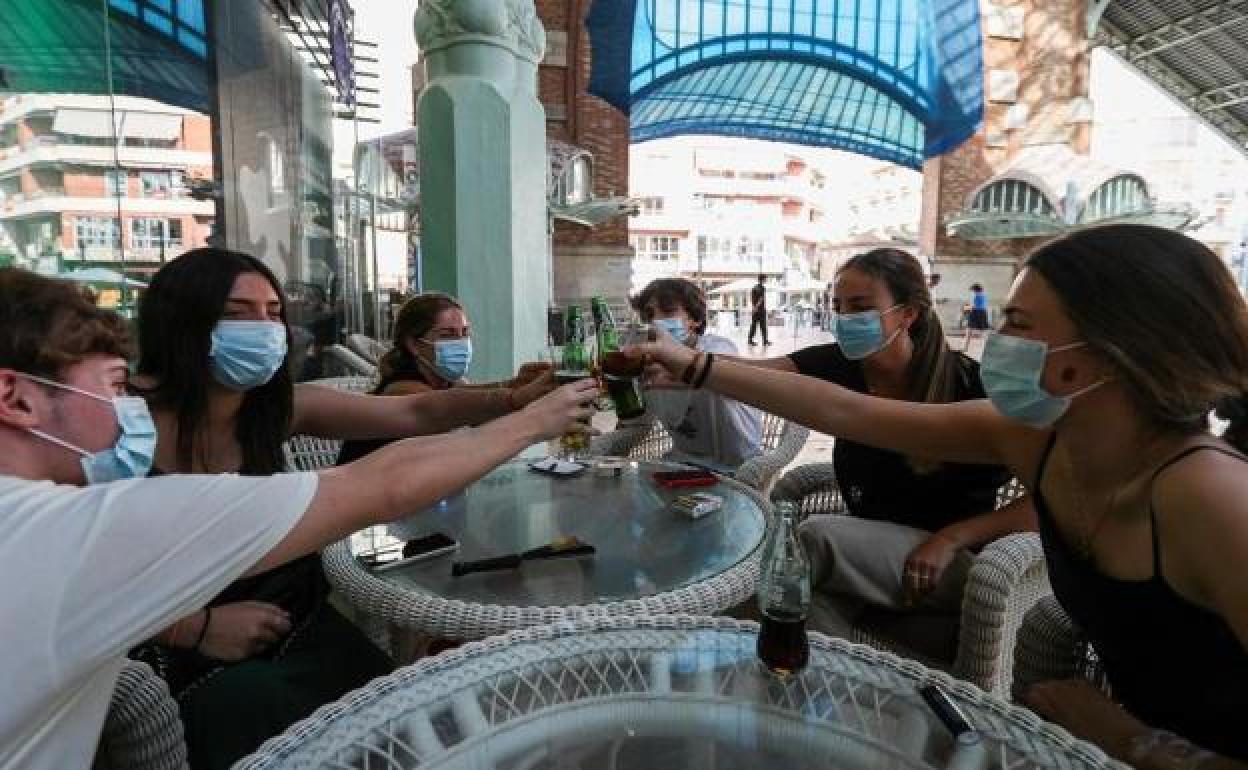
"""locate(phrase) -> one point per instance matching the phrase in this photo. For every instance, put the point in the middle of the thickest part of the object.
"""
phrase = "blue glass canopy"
(899, 80)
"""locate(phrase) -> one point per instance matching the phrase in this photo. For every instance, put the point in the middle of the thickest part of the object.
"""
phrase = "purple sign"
(340, 50)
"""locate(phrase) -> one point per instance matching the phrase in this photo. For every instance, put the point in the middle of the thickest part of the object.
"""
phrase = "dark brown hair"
(415, 319)
(933, 371)
(1165, 312)
(47, 325)
(668, 294)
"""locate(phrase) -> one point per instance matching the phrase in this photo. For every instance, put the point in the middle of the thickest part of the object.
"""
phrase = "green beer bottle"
(618, 372)
(575, 353)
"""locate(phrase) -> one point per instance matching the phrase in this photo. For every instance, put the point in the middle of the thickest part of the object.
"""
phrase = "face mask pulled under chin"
(131, 454)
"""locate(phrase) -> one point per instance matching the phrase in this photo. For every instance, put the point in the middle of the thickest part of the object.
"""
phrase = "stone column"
(1036, 72)
(483, 172)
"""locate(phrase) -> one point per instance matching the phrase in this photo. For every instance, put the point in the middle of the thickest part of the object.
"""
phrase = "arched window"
(1012, 196)
(1124, 194)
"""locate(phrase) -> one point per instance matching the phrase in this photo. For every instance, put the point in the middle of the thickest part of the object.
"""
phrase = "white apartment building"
(723, 210)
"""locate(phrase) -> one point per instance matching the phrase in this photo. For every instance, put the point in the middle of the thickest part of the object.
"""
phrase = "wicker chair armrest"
(350, 361)
(804, 480)
(1050, 646)
(1007, 579)
(143, 729)
(758, 471)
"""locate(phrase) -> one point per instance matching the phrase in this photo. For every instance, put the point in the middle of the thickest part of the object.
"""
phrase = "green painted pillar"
(483, 173)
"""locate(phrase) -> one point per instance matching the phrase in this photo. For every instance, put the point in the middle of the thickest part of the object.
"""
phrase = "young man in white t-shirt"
(706, 429)
(93, 561)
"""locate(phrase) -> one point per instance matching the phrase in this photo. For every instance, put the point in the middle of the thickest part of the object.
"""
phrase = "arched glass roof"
(900, 80)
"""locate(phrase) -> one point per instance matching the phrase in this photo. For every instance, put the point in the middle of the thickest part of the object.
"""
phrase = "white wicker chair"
(143, 729)
(366, 347)
(1007, 578)
(1050, 646)
(647, 439)
(341, 359)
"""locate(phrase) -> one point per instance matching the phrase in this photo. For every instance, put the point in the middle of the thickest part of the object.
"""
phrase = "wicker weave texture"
(467, 706)
(1050, 646)
(143, 729)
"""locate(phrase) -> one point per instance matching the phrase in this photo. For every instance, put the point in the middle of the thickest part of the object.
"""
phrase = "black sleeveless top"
(1172, 664)
(354, 450)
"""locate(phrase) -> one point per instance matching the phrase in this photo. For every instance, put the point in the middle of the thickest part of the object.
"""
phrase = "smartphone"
(413, 551)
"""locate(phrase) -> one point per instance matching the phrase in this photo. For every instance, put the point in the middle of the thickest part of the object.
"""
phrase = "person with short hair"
(1100, 407)
(758, 310)
(707, 430)
(977, 322)
(96, 558)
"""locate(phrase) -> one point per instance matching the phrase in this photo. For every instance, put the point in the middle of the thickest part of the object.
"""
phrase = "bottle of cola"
(620, 374)
(784, 597)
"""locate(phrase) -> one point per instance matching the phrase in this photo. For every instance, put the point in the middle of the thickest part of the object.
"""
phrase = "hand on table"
(926, 564)
(239, 630)
(1087, 713)
(564, 410)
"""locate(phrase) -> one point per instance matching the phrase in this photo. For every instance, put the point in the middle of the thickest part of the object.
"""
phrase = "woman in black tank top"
(1117, 342)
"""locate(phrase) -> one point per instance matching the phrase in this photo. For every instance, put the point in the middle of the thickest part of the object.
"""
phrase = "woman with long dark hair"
(916, 523)
(1117, 342)
(213, 368)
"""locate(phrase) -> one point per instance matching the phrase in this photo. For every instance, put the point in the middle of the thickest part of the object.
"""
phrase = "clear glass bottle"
(784, 596)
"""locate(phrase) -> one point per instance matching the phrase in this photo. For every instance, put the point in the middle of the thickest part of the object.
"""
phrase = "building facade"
(720, 210)
(77, 191)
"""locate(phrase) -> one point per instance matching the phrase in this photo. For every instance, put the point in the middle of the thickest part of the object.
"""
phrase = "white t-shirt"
(88, 572)
(706, 428)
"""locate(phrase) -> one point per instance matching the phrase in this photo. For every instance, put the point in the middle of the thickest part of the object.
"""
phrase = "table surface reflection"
(643, 548)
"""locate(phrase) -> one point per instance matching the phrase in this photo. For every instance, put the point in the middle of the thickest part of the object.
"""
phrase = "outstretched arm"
(407, 476)
(332, 413)
(967, 431)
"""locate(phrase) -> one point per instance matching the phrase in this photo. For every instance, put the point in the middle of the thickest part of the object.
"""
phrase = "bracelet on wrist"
(203, 630)
(706, 371)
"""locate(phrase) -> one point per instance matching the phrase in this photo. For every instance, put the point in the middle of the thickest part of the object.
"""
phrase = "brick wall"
(587, 261)
(1053, 64)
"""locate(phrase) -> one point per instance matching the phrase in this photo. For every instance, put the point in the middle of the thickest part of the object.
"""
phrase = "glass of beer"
(572, 445)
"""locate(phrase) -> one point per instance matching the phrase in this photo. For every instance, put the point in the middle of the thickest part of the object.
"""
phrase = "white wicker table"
(649, 561)
(660, 692)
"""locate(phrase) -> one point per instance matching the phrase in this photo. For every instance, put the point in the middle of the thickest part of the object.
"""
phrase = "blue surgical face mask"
(675, 327)
(452, 357)
(130, 456)
(246, 354)
(862, 334)
(1010, 369)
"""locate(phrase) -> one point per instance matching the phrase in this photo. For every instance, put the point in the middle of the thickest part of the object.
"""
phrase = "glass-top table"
(663, 692)
(648, 559)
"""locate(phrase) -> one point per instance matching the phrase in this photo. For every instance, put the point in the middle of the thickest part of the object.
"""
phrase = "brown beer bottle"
(784, 597)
